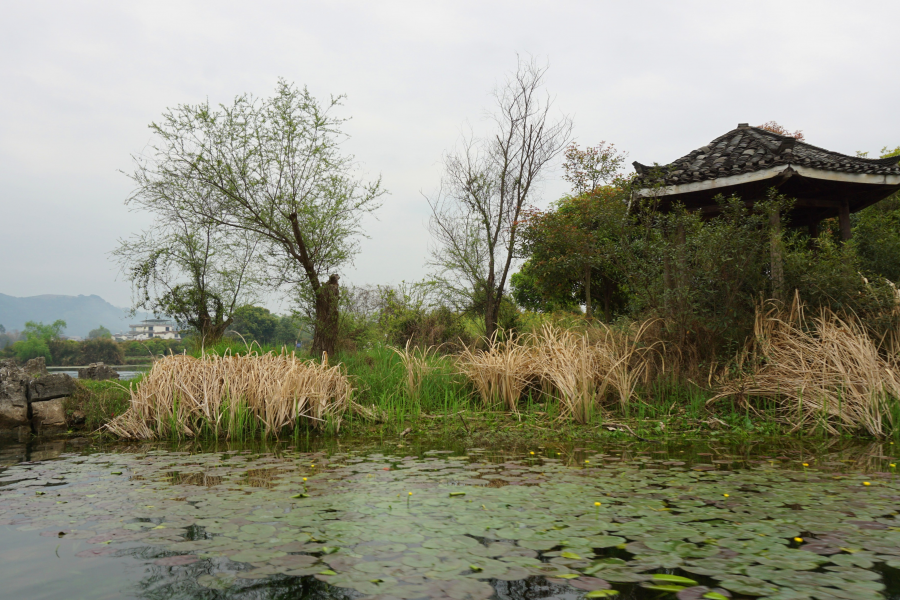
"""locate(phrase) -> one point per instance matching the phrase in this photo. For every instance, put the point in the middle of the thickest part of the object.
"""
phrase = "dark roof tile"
(747, 149)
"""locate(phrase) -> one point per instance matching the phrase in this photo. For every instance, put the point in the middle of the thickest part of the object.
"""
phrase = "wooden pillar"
(777, 258)
(844, 219)
(814, 229)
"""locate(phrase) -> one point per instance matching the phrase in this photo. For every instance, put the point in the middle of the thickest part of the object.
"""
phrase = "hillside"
(81, 313)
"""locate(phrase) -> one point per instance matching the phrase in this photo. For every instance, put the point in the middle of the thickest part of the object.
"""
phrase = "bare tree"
(486, 185)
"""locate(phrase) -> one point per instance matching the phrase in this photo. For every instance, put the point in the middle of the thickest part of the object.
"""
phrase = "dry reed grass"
(822, 372)
(501, 372)
(576, 369)
(182, 395)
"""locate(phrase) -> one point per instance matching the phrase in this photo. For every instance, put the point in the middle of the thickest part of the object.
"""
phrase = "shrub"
(102, 350)
(31, 348)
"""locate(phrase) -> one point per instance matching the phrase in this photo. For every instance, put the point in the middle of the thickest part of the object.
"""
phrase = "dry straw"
(576, 369)
(501, 372)
(183, 396)
(824, 372)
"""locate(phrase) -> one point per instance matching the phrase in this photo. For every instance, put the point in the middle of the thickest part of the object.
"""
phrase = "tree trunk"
(327, 318)
(490, 315)
(491, 305)
(587, 291)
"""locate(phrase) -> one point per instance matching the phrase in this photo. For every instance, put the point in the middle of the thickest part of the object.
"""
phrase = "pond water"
(126, 372)
(356, 519)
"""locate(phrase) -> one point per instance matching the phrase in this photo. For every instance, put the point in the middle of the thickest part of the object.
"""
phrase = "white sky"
(80, 82)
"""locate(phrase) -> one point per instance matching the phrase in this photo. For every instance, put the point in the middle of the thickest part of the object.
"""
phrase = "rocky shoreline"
(31, 399)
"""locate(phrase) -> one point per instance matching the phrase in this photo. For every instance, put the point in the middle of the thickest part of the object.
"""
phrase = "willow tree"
(272, 168)
(487, 185)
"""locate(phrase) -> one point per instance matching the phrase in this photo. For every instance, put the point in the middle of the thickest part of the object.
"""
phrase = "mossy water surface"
(353, 519)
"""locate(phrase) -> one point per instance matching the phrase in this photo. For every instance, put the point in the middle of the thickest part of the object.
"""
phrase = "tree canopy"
(271, 169)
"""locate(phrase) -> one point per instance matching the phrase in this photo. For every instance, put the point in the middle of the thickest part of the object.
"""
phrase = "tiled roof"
(747, 149)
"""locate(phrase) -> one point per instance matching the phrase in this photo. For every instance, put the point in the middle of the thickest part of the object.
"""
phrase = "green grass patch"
(98, 401)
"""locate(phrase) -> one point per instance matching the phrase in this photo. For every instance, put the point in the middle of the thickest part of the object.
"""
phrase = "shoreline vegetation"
(803, 375)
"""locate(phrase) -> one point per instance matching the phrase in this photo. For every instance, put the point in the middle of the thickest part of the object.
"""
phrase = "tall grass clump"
(417, 365)
(567, 364)
(825, 373)
(500, 372)
(186, 396)
(576, 369)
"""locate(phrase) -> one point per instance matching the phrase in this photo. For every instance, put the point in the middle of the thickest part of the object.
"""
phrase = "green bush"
(31, 348)
(66, 353)
(102, 350)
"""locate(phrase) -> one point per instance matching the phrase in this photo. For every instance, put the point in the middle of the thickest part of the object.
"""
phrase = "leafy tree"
(37, 330)
(534, 291)
(486, 186)
(255, 322)
(185, 265)
(273, 169)
(32, 348)
(100, 332)
(37, 339)
(876, 234)
(289, 331)
(570, 245)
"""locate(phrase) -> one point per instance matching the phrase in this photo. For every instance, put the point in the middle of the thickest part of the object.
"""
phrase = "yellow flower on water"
(587, 461)
(304, 479)
(893, 465)
(531, 453)
(596, 504)
(313, 466)
(410, 493)
(799, 540)
(805, 464)
(726, 495)
(866, 483)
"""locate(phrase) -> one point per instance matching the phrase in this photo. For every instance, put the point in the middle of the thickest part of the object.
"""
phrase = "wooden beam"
(844, 218)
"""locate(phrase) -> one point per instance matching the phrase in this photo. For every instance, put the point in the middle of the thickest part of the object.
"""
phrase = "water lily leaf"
(701, 592)
(665, 577)
(217, 581)
(606, 541)
(747, 585)
(590, 583)
(602, 594)
(662, 587)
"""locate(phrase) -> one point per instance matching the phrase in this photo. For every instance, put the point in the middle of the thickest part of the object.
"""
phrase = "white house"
(152, 328)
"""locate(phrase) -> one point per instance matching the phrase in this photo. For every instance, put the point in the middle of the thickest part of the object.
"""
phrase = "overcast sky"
(80, 82)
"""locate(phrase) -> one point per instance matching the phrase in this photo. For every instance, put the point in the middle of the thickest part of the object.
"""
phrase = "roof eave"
(770, 173)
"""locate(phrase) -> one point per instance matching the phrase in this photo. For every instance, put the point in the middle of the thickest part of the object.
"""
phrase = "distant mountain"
(81, 313)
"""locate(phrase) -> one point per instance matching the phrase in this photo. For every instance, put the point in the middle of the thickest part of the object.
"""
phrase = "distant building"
(151, 328)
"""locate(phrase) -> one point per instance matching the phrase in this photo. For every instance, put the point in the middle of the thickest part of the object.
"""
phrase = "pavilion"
(748, 161)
